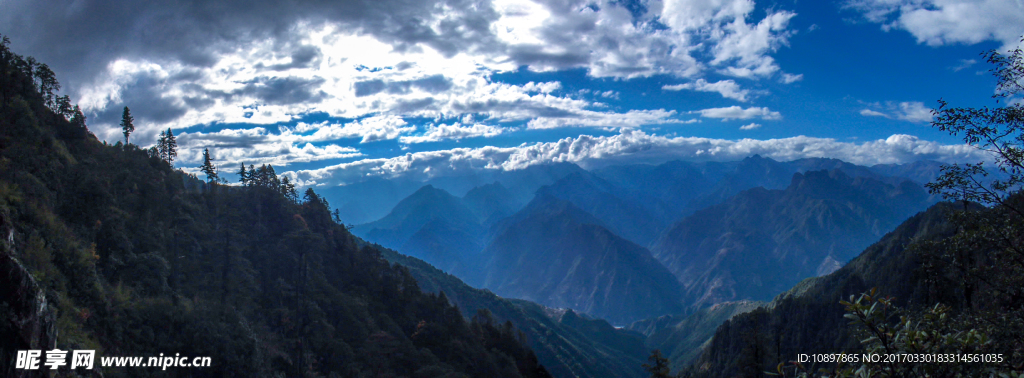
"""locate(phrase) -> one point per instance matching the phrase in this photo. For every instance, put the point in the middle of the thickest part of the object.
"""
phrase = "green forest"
(946, 285)
(110, 248)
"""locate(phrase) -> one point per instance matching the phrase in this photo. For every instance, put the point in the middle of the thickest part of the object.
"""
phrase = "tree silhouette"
(658, 366)
(127, 124)
(243, 176)
(208, 168)
(168, 147)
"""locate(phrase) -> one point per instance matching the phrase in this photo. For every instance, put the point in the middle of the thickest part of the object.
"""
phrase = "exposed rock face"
(28, 320)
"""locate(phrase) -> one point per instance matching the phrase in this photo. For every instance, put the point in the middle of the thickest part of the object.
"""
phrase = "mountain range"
(808, 316)
(585, 240)
(760, 242)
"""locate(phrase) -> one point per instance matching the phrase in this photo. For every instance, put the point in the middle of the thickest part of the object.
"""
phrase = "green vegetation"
(950, 281)
(139, 259)
(569, 345)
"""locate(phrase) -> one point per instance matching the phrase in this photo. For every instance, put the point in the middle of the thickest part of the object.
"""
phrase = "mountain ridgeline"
(808, 317)
(586, 241)
(555, 254)
(761, 242)
(108, 248)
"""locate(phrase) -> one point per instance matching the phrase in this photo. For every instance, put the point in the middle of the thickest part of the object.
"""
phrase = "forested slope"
(809, 319)
(133, 258)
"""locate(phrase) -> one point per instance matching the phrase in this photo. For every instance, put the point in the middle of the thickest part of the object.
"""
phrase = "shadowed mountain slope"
(761, 242)
(557, 255)
(809, 319)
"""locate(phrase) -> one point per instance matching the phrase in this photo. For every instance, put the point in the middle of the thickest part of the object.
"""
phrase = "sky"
(334, 92)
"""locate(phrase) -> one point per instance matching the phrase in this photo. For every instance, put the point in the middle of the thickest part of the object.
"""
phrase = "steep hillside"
(432, 225)
(557, 255)
(371, 199)
(809, 319)
(682, 338)
(567, 345)
(608, 203)
(136, 258)
(761, 242)
(491, 203)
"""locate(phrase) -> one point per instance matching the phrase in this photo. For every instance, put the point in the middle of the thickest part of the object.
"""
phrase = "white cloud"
(748, 46)
(911, 111)
(371, 129)
(914, 112)
(964, 64)
(942, 22)
(256, 146)
(454, 131)
(751, 126)
(726, 88)
(872, 113)
(632, 118)
(636, 146)
(546, 87)
(324, 60)
(790, 78)
(736, 112)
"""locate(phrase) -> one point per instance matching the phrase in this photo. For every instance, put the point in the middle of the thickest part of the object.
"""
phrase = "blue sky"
(331, 93)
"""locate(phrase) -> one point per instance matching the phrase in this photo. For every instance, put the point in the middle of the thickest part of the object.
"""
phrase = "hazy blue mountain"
(491, 202)
(664, 189)
(681, 338)
(371, 199)
(828, 164)
(751, 172)
(567, 344)
(921, 172)
(428, 205)
(368, 200)
(808, 317)
(760, 242)
(449, 248)
(607, 202)
(555, 254)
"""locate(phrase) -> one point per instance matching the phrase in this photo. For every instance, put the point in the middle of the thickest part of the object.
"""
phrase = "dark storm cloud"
(78, 38)
(145, 98)
(492, 106)
(532, 55)
(412, 106)
(369, 87)
(303, 57)
(431, 84)
(283, 91)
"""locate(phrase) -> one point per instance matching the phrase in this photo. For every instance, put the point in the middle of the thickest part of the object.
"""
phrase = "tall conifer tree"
(127, 124)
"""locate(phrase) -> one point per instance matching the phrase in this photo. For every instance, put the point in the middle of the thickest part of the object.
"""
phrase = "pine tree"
(47, 85)
(658, 367)
(77, 118)
(161, 146)
(208, 168)
(243, 176)
(288, 189)
(127, 124)
(64, 107)
(168, 147)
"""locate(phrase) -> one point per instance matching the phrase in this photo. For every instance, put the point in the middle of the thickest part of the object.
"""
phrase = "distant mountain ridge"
(801, 220)
(553, 253)
(567, 344)
(808, 316)
(371, 199)
(760, 242)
